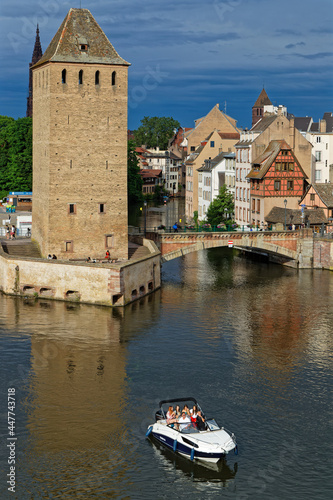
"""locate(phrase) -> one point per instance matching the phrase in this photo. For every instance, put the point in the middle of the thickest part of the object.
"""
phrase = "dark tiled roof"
(264, 123)
(263, 100)
(302, 123)
(314, 127)
(325, 193)
(79, 27)
(279, 214)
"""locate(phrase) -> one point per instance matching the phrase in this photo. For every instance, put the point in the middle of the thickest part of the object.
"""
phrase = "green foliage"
(15, 154)
(221, 208)
(195, 218)
(159, 192)
(134, 180)
(156, 131)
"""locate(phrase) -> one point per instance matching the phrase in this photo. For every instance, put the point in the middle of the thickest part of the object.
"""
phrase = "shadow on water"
(197, 471)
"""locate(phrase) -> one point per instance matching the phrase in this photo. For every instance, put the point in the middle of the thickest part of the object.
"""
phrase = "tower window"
(83, 47)
(72, 208)
(63, 76)
(69, 246)
(102, 208)
(109, 240)
(97, 78)
(81, 77)
(113, 78)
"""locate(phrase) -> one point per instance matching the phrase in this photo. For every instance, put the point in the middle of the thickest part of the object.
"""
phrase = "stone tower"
(80, 144)
(258, 107)
(36, 55)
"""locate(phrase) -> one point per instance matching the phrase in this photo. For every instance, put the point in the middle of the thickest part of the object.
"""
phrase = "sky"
(188, 55)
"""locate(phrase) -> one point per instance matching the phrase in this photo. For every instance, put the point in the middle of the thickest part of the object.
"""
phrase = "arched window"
(80, 76)
(113, 78)
(63, 76)
(97, 78)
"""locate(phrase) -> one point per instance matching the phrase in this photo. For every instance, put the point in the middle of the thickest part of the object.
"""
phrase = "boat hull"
(187, 445)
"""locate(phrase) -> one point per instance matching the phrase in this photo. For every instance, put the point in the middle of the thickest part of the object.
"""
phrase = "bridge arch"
(283, 246)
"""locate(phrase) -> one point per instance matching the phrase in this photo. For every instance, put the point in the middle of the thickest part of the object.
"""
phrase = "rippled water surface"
(251, 341)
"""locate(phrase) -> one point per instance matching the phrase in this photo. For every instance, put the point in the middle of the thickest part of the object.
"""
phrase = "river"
(252, 341)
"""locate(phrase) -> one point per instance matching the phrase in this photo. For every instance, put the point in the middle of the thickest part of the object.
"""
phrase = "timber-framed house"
(276, 179)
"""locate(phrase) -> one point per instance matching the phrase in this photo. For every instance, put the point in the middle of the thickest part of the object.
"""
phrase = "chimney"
(322, 126)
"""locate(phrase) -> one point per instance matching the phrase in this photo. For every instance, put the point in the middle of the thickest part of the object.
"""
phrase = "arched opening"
(113, 78)
(81, 77)
(97, 78)
(63, 76)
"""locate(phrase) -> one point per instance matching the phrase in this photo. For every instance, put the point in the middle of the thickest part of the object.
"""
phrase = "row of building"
(275, 164)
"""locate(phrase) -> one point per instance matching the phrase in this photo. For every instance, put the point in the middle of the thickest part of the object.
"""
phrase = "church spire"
(36, 55)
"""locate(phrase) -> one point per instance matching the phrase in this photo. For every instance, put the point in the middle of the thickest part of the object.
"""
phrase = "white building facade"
(211, 177)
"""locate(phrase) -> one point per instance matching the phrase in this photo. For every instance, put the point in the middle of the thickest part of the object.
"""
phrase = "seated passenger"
(177, 411)
(194, 413)
(184, 420)
(200, 421)
(170, 413)
(186, 410)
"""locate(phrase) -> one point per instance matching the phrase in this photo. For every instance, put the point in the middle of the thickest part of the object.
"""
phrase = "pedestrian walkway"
(24, 247)
(21, 248)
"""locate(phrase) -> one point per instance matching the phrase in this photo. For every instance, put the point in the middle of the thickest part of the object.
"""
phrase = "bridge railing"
(200, 229)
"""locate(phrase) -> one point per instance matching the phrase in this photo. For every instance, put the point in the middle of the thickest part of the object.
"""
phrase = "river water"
(251, 341)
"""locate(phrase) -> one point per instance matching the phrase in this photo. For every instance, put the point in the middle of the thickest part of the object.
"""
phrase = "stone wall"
(80, 161)
(95, 283)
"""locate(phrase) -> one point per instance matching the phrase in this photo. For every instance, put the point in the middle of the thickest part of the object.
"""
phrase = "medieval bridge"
(291, 248)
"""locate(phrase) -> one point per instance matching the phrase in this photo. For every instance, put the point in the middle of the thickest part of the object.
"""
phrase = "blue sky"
(187, 55)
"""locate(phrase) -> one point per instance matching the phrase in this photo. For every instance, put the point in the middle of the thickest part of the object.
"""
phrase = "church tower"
(79, 205)
(258, 107)
(36, 55)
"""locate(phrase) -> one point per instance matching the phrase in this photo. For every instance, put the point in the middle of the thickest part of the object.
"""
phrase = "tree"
(155, 131)
(134, 180)
(15, 154)
(221, 207)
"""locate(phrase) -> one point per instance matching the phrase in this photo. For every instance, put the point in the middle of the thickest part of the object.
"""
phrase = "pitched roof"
(146, 173)
(325, 193)
(266, 159)
(294, 216)
(263, 100)
(264, 123)
(80, 28)
(303, 123)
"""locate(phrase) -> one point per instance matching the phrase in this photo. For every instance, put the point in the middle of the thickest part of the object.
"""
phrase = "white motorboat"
(208, 442)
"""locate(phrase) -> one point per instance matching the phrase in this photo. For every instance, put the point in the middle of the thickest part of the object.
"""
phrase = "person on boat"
(200, 423)
(194, 413)
(184, 420)
(170, 413)
(186, 410)
(177, 411)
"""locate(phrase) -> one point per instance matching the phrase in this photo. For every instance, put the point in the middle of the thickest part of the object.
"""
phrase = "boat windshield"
(212, 424)
(190, 429)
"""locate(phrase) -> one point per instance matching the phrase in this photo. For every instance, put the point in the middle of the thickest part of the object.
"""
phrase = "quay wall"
(95, 283)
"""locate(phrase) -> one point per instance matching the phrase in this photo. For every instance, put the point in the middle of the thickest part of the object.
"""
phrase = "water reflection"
(251, 341)
(197, 471)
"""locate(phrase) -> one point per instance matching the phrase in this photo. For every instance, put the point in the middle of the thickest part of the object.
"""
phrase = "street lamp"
(145, 219)
(285, 214)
